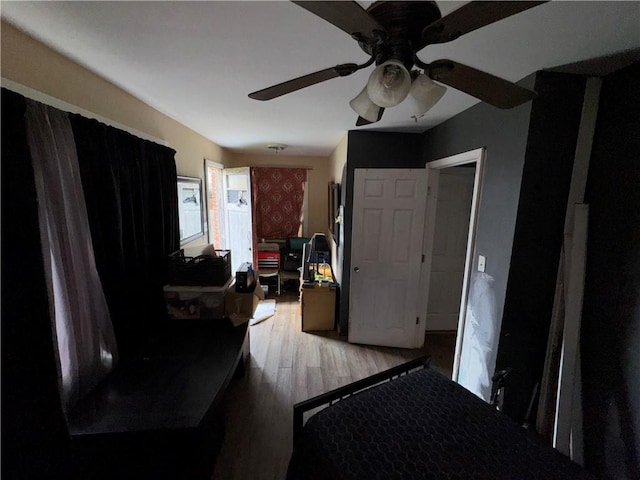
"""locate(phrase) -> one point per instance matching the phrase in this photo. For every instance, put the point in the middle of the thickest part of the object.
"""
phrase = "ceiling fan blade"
(472, 16)
(363, 121)
(488, 88)
(304, 81)
(349, 17)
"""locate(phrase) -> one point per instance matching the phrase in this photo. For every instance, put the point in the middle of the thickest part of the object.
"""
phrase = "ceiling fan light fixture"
(389, 84)
(364, 107)
(425, 93)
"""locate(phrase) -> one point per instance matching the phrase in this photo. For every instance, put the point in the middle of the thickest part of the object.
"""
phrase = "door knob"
(356, 269)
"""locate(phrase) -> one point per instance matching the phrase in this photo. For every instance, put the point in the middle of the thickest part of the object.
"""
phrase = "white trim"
(213, 164)
(305, 209)
(459, 159)
(468, 263)
(68, 107)
(476, 156)
(564, 425)
(220, 202)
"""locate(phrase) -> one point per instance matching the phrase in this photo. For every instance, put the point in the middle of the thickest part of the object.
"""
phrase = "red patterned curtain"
(278, 194)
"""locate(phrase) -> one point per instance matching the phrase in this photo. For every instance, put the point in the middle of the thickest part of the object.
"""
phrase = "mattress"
(422, 426)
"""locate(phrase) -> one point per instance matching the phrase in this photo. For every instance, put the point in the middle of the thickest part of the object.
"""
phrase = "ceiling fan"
(392, 33)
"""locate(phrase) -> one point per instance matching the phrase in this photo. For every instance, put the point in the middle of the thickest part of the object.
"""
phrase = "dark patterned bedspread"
(422, 426)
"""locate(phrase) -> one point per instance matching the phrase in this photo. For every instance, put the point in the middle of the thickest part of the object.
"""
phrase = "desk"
(159, 416)
(318, 303)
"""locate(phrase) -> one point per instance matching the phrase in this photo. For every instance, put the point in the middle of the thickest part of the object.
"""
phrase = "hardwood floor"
(288, 366)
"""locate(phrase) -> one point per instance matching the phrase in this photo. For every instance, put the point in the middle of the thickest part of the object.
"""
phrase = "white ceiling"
(197, 61)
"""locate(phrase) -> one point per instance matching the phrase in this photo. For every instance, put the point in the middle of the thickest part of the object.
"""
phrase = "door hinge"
(428, 191)
(417, 320)
(423, 258)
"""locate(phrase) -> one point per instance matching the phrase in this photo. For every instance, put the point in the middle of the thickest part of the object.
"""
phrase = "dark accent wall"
(370, 150)
(529, 157)
(537, 240)
(610, 336)
(504, 135)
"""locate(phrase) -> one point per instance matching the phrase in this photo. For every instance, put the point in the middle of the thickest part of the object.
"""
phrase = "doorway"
(237, 206)
(453, 212)
(228, 193)
(433, 249)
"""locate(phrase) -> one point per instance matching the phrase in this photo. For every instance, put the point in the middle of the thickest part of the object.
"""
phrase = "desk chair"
(269, 262)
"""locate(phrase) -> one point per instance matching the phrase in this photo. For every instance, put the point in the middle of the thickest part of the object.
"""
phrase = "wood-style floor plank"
(287, 366)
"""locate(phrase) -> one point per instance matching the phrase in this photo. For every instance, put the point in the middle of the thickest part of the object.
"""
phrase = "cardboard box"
(190, 302)
(242, 305)
(318, 308)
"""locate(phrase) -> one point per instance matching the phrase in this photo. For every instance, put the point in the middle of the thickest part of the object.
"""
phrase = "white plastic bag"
(480, 339)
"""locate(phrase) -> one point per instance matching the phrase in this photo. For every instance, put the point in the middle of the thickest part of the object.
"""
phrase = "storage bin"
(190, 302)
(202, 270)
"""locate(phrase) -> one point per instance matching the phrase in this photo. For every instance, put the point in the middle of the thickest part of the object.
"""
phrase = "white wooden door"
(386, 255)
(453, 210)
(237, 205)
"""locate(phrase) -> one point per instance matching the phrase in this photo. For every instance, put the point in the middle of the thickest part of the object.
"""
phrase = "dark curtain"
(131, 195)
(34, 434)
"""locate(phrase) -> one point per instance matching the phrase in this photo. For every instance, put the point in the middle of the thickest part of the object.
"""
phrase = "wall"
(337, 164)
(530, 153)
(529, 158)
(338, 159)
(550, 151)
(317, 178)
(610, 333)
(370, 150)
(31, 63)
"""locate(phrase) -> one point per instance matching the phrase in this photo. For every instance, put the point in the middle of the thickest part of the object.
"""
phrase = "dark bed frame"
(454, 434)
(340, 393)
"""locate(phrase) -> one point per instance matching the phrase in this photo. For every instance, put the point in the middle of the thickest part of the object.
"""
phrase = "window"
(190, 209)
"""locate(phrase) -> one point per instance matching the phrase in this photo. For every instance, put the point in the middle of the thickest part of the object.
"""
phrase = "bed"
(417, 424)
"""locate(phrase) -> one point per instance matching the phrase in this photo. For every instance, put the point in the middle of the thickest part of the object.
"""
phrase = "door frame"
(476, 156)
(220, 202)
